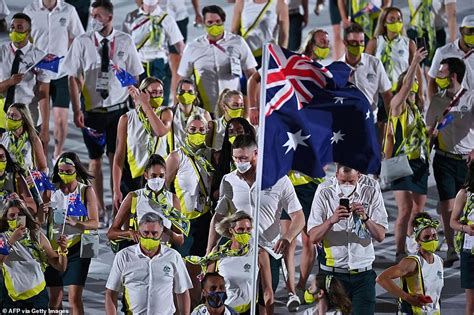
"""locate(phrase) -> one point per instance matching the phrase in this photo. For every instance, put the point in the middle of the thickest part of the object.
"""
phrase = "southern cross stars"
(295, 139)
(337, 136)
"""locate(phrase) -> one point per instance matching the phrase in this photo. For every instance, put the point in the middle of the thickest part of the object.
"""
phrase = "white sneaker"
(411, 245)
(293, 303)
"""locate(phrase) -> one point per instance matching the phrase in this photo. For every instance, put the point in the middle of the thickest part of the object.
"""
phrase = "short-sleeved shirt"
(152, 34)
(149, 282)
(211, 66)
(456, 137)
(176, 8)
(342, 247)
(84, 58)
(52, 30)
(452, 50)
(370, 77)
(25, 90)
(236, 195)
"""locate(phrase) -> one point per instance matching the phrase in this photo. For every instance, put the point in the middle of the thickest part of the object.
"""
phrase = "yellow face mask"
(415, 87)
(13, 124)
(150, 244)
(196, 139)
(156, 102)
(320, 52)
(215, 30)
(235, 112)
(12, 224)
(430, 246)
(395, 27)
(3, 165)
(242, 238)
(443, 83)
(67, 178)
(469, 40)
(186, 98)
(232, 139)
(17, 37)
(356, 50)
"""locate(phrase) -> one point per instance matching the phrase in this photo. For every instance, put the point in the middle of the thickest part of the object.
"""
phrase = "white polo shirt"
(458, 136)
(342, 247)
(236, 195)
(52, 30)
(149, 282)
(25, 90)
(177, 9)
(211, 66)
(84, 58)
(166, 32)
(370, 77)
(452, 50)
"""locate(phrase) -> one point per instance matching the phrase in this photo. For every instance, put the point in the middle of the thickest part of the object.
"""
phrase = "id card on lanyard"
(103, 78)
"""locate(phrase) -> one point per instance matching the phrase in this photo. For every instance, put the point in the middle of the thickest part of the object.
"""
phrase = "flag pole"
(258, 182)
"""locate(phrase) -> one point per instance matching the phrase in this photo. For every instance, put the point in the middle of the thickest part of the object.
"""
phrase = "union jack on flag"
(75, 206)
(42, 181)
(313, 117)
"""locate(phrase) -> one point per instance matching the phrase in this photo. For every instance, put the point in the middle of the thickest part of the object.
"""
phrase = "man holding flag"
(92, 60)
(54, 26)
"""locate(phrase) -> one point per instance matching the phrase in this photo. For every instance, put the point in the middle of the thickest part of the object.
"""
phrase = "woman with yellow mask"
(73, 213)
(391, 45)
(24, 255)
(231, 105)
(21, 139)
(187, 106)
(155, 198)
(316, 45)
(407, 134)
(188, 173)
(140, 133)
(421, 275)
(12, 180)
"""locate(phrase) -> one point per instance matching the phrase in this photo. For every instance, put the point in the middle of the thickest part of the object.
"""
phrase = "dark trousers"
(296, 30)
(360, 288)
(196, 242)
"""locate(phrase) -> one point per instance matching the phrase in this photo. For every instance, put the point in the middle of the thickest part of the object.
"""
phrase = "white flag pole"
(261, 140)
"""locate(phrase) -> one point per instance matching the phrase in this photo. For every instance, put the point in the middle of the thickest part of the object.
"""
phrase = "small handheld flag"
(4, 248)
(125, 78)
(96, 136)
(75, 206)
(42, 181)
(49, 62)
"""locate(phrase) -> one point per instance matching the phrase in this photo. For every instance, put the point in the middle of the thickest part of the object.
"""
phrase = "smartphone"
(344, 202)
(421, 42)
(21, 220)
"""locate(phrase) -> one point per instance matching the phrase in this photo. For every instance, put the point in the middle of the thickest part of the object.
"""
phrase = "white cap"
(468, 21)
(150, 2)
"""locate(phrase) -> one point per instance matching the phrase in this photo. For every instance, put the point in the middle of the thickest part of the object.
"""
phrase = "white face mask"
(243, 167)
(156, 183)
(347, 189)
(96, 25)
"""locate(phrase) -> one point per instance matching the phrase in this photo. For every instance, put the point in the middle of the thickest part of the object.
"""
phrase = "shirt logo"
(62, 21)
(440, 275)
(166, 269)
(371, 77)
(120, 54)
(247, 267)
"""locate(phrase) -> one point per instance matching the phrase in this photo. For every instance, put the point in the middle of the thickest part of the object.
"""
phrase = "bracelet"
(62, 253)
(363, 221)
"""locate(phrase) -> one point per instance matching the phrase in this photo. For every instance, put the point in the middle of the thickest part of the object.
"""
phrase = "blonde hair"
(192, 118)
(224, 99)
(229, 222)
(149, 81)
(381, 29)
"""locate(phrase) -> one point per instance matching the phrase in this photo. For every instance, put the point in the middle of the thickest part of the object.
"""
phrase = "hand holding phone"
(345, 203)
(21, 221)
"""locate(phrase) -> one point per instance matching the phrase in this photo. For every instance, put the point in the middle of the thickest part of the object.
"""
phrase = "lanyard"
(112, 46)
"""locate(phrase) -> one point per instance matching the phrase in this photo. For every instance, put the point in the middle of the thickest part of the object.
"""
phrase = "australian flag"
(49, 62)
(4, 248)
(123, 76)
(42, 181)
(313, 117)
(75, 206)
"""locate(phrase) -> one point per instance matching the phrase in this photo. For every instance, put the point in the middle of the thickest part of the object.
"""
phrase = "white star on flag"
(295, 139)
(367, 115)
(337, 136)
(339, 99)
